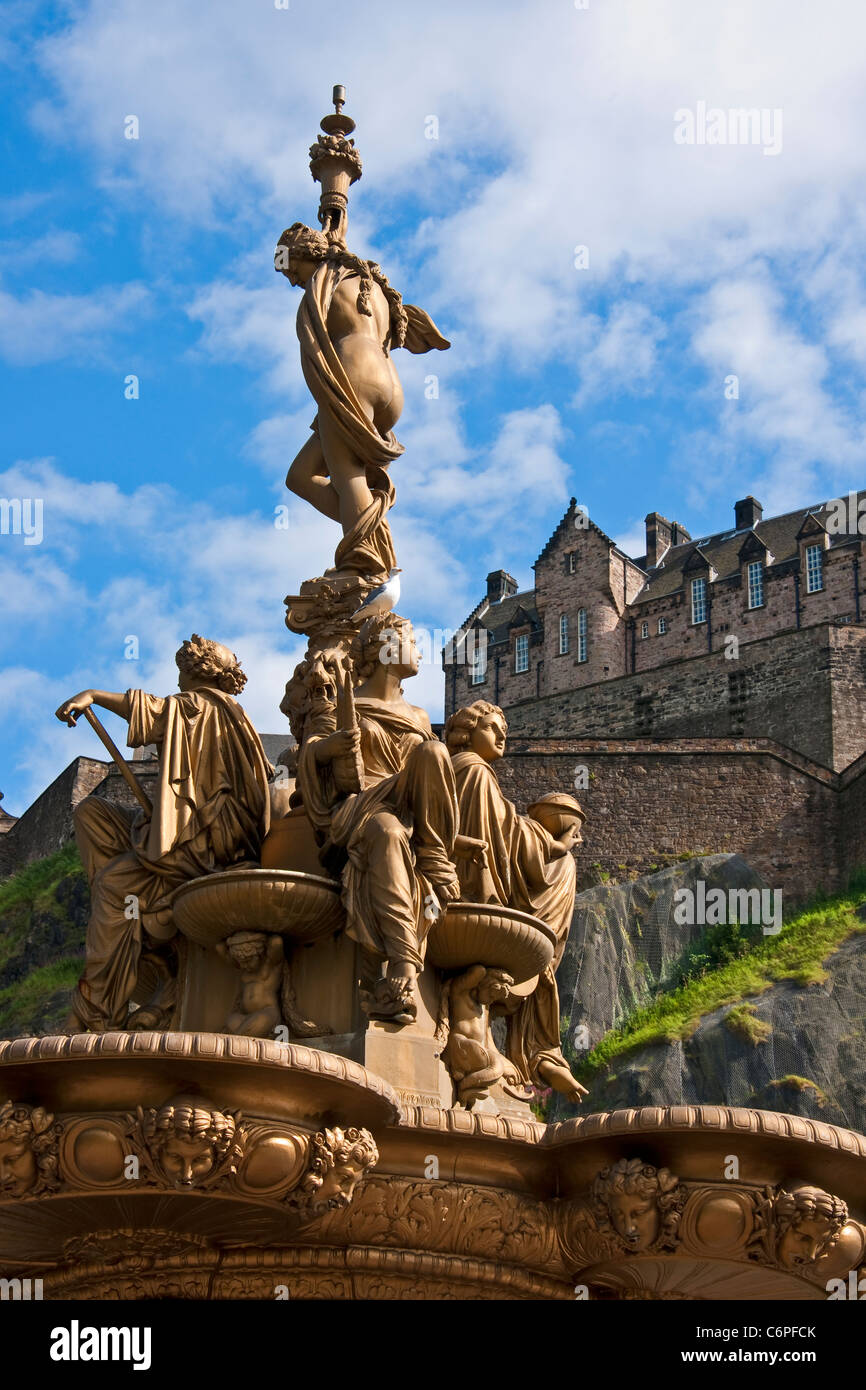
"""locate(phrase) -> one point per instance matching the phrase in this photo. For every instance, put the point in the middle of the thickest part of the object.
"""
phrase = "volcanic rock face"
(794, 1048)
(625, 942)
(811, 1059)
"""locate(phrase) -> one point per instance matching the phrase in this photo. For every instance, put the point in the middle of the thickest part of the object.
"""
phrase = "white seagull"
(382, 599)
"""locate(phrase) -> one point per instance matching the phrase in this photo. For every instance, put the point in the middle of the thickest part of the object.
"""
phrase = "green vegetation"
(22, 1003)
(796, 954)
(717, 945)
(744, 1023)
(38, 878)
(799, 1083)
(43, 914)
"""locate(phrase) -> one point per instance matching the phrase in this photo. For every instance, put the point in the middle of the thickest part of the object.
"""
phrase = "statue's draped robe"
(368, 546)
(394, 832)
(529, 870)
(211, 810)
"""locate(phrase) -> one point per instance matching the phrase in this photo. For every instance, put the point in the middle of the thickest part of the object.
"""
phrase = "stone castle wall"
(800, 825)
(46, 826)
(803, 689)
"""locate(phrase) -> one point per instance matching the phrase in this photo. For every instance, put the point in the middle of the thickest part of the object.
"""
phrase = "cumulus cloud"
(554, 132)
(37, 327)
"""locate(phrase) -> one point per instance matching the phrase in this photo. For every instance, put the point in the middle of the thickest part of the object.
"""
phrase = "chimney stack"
(499, 586)
(747, 513)
(658, 538)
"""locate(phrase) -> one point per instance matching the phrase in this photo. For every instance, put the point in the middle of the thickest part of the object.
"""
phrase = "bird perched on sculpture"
(383, 599)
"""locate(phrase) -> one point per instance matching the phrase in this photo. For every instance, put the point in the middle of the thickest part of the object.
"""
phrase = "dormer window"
(521, 653)
(755, 575)
(699, 600)
(814, 568)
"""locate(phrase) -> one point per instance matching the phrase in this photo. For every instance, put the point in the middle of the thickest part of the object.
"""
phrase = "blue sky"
(555, 130)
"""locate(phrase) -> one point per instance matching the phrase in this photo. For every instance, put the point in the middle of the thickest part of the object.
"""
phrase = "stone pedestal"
(458, 1204)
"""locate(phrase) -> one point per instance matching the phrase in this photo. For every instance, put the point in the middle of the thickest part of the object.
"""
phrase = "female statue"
(529, 866)
(395, 838)
(349, 321)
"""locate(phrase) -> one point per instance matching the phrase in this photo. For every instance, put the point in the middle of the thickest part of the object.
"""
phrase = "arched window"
(563, 634)
(581, 635)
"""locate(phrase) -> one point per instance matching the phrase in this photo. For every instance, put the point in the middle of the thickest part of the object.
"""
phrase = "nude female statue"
(349, 321)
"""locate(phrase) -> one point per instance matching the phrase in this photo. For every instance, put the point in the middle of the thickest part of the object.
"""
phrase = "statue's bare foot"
(561, 1079)
(392, 1000)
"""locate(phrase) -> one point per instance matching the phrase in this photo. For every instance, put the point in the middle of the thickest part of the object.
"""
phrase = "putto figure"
(260, 962)
(469, 1051)
(212, 810)
(349, 321)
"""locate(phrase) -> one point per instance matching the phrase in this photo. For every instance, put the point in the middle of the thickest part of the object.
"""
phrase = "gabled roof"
(567, 526)
(514, 611)
(780, 535)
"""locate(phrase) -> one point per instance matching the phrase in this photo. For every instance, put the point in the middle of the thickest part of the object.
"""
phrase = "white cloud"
(624, 354)
(39, 327)
(785, 405)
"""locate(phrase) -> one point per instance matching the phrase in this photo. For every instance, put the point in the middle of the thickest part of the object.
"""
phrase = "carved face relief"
(808, 1222)
(803, 1242)
(488, 738)
(634, 1218)
(339, 1185)
(185, 1161)
(17, 1167)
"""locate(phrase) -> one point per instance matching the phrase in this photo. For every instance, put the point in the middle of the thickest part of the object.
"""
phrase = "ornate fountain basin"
(300, 906)
(487, 934)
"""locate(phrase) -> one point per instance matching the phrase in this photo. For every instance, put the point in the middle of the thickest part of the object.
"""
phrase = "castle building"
(756, 631)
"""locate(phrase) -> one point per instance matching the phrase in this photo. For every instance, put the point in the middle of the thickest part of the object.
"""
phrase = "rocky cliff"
(657, 1013)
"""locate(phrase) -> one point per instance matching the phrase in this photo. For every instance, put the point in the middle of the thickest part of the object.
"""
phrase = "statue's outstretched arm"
(114, 701)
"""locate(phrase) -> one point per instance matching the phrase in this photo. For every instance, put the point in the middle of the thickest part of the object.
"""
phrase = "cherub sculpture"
(211, 811)
(260, 960)
(469, 1051)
